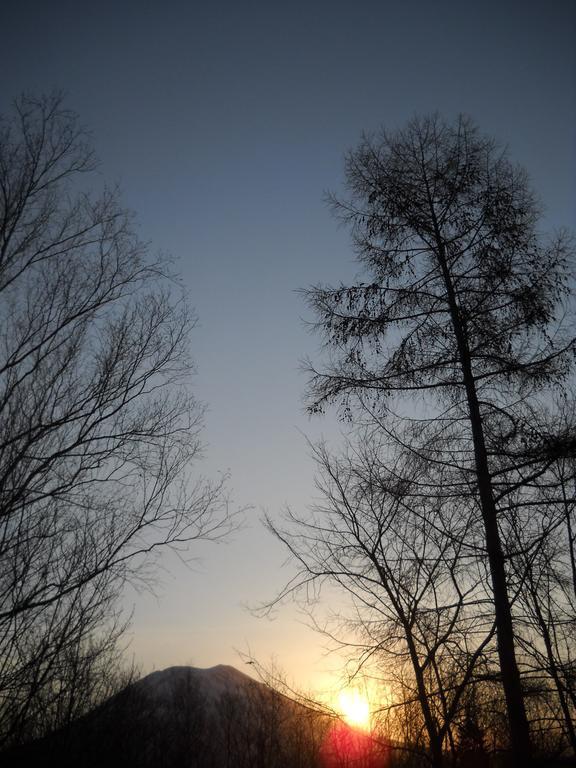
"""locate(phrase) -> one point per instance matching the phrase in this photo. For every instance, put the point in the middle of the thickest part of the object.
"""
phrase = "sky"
(225, 124)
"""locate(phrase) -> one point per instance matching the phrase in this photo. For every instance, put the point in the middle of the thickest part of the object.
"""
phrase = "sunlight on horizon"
(354, 708)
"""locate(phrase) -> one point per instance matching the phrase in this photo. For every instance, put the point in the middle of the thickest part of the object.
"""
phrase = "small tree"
(455, 334)
(546, 602)
(420, 610)
(97, 428)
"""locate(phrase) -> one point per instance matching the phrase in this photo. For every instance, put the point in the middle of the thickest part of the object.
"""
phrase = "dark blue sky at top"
(224, 124)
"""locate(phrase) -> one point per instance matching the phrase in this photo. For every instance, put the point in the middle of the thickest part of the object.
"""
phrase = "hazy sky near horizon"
(224, 123)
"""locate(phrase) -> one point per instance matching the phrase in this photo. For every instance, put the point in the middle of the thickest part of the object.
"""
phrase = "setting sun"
(354, 708)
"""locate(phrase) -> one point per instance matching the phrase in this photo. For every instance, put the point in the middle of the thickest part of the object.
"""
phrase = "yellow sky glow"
(354, 708)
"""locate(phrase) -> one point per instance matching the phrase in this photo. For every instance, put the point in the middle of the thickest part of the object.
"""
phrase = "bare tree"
(546, 602)
(98, 430)
(420, 613)
(461, 322)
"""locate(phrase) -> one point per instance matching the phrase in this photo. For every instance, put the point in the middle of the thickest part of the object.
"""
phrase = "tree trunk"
(511, 683)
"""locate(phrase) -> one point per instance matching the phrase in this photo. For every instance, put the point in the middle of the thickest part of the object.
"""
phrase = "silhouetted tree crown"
(447, 230)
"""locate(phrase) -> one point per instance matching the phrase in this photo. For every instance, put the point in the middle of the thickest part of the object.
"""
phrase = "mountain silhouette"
(185, 717)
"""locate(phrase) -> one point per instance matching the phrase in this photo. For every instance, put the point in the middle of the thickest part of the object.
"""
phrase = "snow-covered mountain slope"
(209, 684)
(185, 717)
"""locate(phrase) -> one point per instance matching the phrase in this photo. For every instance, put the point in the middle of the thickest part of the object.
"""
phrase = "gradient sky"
(224, 124)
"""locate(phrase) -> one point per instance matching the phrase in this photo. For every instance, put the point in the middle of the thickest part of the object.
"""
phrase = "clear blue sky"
(224, 123)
